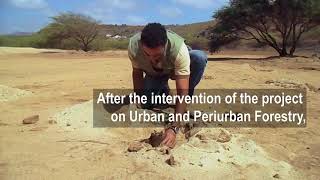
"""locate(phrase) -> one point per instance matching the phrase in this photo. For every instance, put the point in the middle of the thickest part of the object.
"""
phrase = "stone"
(52, 122)
(156, 138)
(165, 150)
(38, 128)
(135, 147)
(277, 176)
(171, 161)
(31, 119)
(201, 137)
(224, 136)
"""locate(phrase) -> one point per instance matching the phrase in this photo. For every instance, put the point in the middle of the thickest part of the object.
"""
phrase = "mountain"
(18, 33)
(186, 30)
(192, 33)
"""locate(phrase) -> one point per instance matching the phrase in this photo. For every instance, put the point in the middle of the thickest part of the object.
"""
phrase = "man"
(161, 54)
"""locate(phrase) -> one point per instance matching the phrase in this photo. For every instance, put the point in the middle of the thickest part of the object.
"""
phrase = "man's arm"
(181, 74)
(182, 85)
(137, 78)
(137, 73)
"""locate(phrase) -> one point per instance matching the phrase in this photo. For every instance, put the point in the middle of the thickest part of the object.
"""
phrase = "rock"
(205, 141)
(171, 161)
(201, 137)
(52, 122)
(156, 138)
(3, 124)
(135, 147)
(224, 136)
(276, 176)
(38, 128)
(165, 150)
(206, 135)
(191, 129)
(312, 88)
(227, 148)
(31, 120)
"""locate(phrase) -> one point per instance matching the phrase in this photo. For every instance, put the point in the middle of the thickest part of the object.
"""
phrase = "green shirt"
(175, 60)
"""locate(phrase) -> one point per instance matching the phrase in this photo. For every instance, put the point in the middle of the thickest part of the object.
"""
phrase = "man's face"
(153, 54)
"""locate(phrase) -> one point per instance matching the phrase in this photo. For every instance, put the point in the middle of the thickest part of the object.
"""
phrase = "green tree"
(69, 26)
(276, 23)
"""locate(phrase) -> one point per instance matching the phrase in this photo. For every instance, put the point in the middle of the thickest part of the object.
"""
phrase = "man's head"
(154, 39)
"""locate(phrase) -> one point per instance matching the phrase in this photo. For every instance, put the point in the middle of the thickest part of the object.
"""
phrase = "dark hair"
(154, 35)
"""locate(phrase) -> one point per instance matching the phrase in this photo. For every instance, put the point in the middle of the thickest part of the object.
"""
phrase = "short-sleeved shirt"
(175, 60)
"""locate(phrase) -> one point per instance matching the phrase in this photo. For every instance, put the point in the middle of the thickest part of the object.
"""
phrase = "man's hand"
(169, 138)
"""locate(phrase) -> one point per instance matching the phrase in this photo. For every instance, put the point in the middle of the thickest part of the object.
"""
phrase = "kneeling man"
(162, 54)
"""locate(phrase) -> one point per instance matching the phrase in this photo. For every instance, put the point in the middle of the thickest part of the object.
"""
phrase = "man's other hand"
(169, 138)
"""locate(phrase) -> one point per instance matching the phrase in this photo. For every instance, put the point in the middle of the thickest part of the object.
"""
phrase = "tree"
(80, 28)
(276, 23)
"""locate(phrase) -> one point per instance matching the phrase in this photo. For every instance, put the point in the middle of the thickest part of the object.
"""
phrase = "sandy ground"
(57, 86)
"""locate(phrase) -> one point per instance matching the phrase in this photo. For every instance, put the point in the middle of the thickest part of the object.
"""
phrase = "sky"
(32, 15)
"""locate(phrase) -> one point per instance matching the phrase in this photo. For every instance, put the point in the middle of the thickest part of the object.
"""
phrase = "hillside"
(187, 30)
(191, 32)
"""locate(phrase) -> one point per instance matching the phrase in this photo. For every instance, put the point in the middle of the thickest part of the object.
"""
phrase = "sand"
(196, 155)
(11, 94)
(63, 144)
(26, 50)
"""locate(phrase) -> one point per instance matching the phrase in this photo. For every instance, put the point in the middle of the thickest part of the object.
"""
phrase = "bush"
(102, 44)
(34, 40)
(278, 23)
